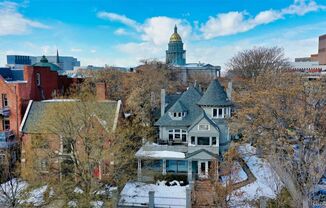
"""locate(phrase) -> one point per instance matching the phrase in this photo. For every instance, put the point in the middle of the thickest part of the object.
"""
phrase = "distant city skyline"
(121, 34)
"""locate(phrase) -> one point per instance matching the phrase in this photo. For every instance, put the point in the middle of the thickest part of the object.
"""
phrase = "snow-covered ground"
(16, 189)
(35, 197)
(238, 174)
(267, 183)
(136, 193)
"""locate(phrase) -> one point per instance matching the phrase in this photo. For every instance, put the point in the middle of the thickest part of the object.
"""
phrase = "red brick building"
(17, 87)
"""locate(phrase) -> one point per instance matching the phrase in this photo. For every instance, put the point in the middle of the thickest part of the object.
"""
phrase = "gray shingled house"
(193, 132)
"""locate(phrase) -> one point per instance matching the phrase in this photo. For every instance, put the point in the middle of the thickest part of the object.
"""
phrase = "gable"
(194, 128)
(188, 99)
(201, 155)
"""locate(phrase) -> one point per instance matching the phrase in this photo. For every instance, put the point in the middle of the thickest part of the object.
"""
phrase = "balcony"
(5, 111)
(7, 139)
(185, 148)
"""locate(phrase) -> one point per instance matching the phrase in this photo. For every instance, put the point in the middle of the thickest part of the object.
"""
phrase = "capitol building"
(176, 59)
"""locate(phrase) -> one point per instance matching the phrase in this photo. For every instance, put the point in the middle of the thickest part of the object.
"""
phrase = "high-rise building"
(64, 62)
(322, 50)
(19, 61)
(175, 54)
(319, 57)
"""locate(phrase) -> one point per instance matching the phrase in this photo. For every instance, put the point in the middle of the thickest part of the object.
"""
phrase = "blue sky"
(122, 32)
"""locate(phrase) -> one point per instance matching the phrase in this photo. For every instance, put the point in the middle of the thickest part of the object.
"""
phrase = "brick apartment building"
(55, 152)
(17, 87)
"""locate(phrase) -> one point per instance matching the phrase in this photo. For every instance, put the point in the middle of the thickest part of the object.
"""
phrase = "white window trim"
(209, 127)
(174, 133)
(223, 115)
(210, 141)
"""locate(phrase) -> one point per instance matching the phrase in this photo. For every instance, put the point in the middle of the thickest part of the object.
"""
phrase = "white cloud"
(143, 50)
(157, 30)
(236, 22)
(301, 7)
(154, 35)
(93, 50)
(76, 49)
(14, 23)
(120, 31)
(119, 18)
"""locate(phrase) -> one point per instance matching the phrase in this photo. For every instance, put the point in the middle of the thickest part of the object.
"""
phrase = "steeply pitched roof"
(188, 99)
(37, 111)
(215, 95)
(170, 100)
(178, 107)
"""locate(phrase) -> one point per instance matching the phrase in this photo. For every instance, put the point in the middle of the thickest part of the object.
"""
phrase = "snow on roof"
(136, 194)
(160, 154)
(59, 100)
(16, 82)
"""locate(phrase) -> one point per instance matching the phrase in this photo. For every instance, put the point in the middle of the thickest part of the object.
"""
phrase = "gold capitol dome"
(175, 37)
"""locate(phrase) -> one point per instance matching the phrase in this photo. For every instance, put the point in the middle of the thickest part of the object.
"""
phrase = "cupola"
(175, 37)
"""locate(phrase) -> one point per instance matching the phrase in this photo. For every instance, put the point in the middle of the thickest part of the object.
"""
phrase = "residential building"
(17, 87)
(193, 132)
(106, 112)
(176, 59)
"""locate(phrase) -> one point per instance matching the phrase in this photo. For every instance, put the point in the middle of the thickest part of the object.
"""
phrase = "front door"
(203, 169)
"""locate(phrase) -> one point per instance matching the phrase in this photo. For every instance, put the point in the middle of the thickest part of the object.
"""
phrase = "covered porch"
(196, 165)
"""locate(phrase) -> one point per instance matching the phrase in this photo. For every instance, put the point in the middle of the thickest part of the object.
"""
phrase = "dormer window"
(178, 111)
(178, 115)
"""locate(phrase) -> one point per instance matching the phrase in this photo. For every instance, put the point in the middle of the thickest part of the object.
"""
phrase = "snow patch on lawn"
(267, 183)
(237, 174)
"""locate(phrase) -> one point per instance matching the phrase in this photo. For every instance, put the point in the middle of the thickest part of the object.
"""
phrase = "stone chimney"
(101, 93)
(229, 91)
(162, 102)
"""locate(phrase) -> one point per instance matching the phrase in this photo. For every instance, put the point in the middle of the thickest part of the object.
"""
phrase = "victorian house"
(193, 132)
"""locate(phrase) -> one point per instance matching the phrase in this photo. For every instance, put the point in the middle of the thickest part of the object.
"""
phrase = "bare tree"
(283, 115)
(11, 187)
(250, 63)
